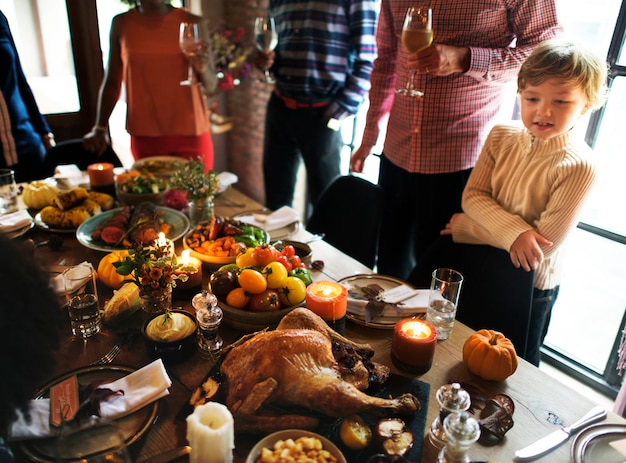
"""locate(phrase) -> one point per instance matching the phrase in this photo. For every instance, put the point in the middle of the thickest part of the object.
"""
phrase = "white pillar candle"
(211, 434)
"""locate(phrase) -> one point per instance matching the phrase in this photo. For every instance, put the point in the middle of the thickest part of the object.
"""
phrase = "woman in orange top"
(163, 116)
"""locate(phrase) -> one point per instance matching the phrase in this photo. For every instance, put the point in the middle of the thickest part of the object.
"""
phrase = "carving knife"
(553, 440)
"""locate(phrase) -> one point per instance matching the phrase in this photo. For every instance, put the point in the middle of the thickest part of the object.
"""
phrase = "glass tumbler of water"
(8, 191)
(82, 300)
(445, 289)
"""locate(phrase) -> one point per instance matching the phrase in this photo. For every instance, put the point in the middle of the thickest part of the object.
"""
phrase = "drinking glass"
(82, 300)
(445, 289)
(97, 440)
(417, 35)
(266, 39)
(191, 45)
(8, 191)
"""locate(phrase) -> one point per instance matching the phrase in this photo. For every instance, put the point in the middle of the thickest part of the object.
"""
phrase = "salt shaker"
(452, 398)
(209, 317)
(461, 432)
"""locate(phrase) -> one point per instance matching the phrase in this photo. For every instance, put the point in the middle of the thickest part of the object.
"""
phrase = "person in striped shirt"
(322, 66)
(530, 181)
(433, 142)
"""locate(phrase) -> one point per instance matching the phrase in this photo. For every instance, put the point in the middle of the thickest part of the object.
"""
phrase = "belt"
(292, 103)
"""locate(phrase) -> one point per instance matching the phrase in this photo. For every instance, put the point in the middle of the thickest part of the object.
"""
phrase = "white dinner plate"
(593, 444)
(357, 302)
(178, 222)
(44, 226)
(274, 235)
(20, 231)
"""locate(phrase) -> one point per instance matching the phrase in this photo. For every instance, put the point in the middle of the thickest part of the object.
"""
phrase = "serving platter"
(133, 426)
(357, 302)
(178, 222)
(593, 444)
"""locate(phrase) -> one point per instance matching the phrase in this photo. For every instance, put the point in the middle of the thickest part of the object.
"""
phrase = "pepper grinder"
(461, 432)
(452, 398)
(209, 317)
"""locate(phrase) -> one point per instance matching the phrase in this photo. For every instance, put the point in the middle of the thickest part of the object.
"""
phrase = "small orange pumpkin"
(106, 270)
(490, 355)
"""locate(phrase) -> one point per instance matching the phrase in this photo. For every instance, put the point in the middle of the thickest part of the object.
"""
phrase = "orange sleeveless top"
(154, 65)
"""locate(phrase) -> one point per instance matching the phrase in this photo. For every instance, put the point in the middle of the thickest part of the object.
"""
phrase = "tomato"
(292, 292)
(238, 298)
(263, 254)
(285, 261)
(303, 274)
(288, 251)
(266, 301)
(245, 259)
(252, 281)
(296, 262)
(222, 282)
(275, 274)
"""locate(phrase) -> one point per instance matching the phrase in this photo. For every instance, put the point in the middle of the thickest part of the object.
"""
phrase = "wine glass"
(191, 45)
(417, 34)
(266, 39)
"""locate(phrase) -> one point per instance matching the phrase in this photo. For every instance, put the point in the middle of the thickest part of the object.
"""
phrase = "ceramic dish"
(44, 226)
(133, 426)
(160, 166)
(19, 232)
(274, 235)
(178, 222)
(212, 259)
(174, 351)
(269, 441)
(389, 317)
(593, 444)
(248, 321)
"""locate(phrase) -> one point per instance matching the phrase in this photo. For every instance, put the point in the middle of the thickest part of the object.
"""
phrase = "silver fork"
(108, 357)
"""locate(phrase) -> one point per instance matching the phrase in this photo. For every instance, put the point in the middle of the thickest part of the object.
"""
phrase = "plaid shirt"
(326, 49)
(444, 131)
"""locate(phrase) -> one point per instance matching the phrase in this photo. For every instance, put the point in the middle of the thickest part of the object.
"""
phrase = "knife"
(553, 440)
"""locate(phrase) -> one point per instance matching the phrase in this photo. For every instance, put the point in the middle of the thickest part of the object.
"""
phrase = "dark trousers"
(417, 208)
(292, 135)
(541, 312)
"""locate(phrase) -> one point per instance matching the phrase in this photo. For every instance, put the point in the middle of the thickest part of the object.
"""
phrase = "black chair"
(348, 212)
(73, 152)
(495, 295)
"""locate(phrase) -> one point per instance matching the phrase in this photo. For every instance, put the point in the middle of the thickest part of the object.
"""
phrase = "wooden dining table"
(542, 404)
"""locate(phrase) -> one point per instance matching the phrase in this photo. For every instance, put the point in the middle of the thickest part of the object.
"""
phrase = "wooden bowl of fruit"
(259, 288)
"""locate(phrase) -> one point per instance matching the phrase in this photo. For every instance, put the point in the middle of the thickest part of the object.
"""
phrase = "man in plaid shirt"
(433, 141)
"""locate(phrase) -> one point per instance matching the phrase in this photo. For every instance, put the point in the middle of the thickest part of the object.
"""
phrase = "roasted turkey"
(307, 368)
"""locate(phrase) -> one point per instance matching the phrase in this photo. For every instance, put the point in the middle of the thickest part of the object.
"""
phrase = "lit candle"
(101, 174)
(163, 242)
(329, 300)
(191, 267)
(211, 434)
(413, 345)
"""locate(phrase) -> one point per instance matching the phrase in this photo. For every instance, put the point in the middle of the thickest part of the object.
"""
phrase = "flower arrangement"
(192, 178)
(230, 50)
(152, 268)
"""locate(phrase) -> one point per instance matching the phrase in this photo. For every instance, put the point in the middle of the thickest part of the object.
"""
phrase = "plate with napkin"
(134, 411)
(16, 223)
(279, 224)
(380, 301)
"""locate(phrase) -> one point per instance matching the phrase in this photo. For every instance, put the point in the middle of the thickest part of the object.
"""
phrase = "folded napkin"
(277, 219)
(58, 282)
(226, 179)
(418, 303)
(69, 176)
(15, 221)
(141, 388)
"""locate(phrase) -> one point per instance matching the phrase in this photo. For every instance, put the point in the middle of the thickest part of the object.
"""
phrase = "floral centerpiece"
(230, 50)
(153, 270)
(199, 186)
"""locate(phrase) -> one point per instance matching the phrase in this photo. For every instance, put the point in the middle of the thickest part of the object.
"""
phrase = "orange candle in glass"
(413, 345)
(192, 267)
(329, 300)
(101, 174)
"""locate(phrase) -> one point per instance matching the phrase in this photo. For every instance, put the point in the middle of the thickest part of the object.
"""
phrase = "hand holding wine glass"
(266, 39)
(191, 45)
(417, 35)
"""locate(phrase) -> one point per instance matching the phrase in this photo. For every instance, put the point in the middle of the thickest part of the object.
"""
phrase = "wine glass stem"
(409, 85)
(190, 73)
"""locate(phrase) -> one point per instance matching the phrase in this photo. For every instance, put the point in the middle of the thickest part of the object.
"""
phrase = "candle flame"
(185, 256)
(161, 241)
(416, 329)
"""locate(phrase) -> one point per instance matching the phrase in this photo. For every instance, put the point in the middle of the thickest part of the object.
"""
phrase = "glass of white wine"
(417, 35)
(266, 39)
(191, 45)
